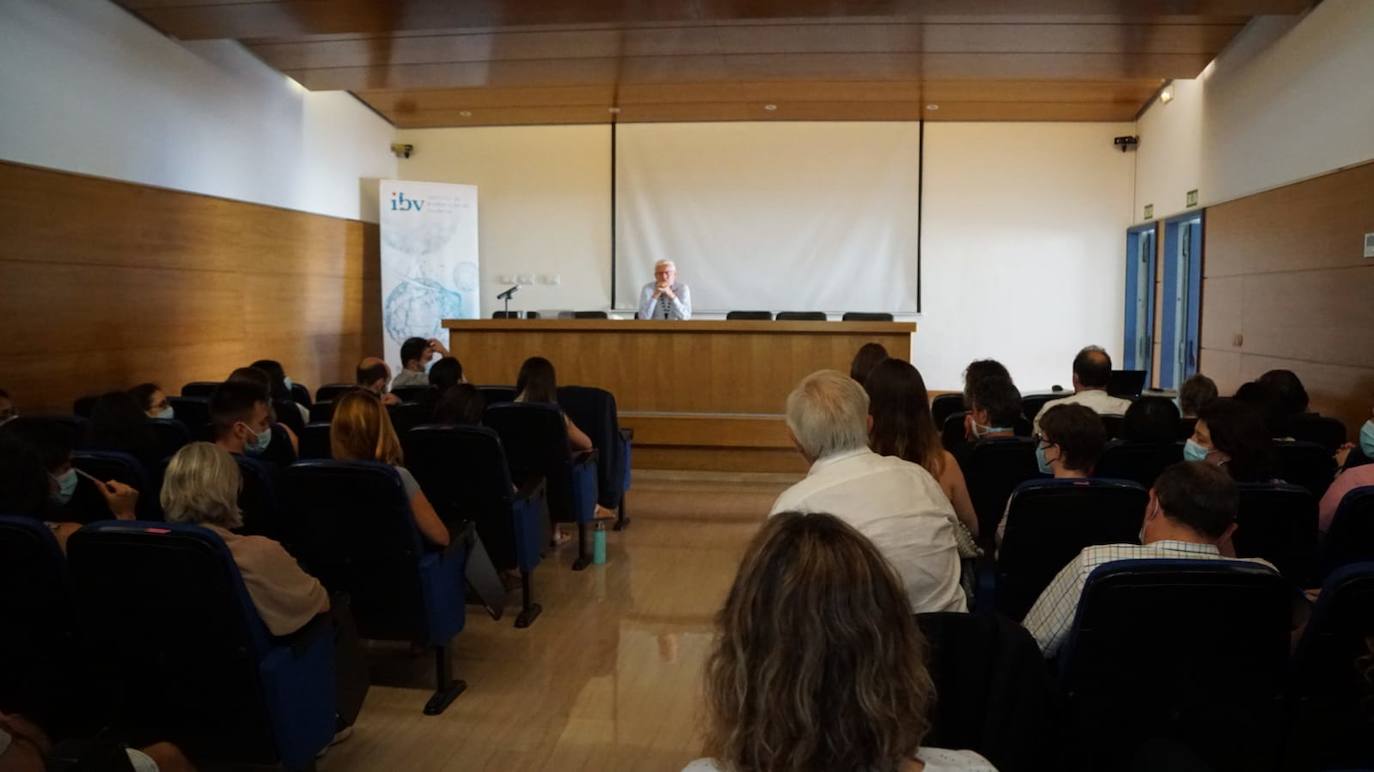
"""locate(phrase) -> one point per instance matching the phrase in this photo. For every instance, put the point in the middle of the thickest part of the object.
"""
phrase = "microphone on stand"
(506, 297)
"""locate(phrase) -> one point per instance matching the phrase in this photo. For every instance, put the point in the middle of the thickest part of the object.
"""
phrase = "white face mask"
(166, 413)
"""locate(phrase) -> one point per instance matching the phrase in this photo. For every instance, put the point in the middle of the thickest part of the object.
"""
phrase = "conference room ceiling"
(432, 63)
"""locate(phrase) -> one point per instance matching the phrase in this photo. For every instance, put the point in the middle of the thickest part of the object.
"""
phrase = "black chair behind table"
(594, 411)
(1323, 430)
(536, 442)
(801, 316)
(946, 405)
(322, 411)
(1350, 536)
(408, 415)
(1278, 522)
(199, 388)
(1031, 404)
(515, 315)
(994, 468)
(495, 394)
(43, 674)
(591, 315)
(259, 502)
(1050, 521)
(758, 316)
(464, 474)
(1139, 462)
(185, 656)
(169, 435)
(423, 395)
(865, 316)
(84, 406)
(351, 526)
(332, 391)
(1194, 651)
(194, 412)
(1307, 464)
(315, 441)
(996, 695)
(1126, 384)
(301, 395)
(1330, 688)
(122, 467)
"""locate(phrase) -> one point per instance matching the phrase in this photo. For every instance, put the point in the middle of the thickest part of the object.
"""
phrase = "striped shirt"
(1050, 619)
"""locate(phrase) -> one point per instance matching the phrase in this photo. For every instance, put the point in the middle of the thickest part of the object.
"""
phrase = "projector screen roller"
(770, 216)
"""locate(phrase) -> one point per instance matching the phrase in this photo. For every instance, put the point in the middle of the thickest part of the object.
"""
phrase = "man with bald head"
(665, 297)
(374, 375)
(1092, 368)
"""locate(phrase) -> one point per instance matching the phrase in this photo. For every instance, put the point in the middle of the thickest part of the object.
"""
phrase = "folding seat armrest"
(301, 640)
(532, 488)
(585, 456)
(460, 536)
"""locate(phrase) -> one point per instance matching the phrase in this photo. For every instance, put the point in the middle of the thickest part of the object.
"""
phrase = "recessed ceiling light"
(613, 110)
(770, 107)
(465, 113)
(932, 106)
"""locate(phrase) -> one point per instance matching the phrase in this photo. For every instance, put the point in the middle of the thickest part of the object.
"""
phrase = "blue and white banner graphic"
(429, 260)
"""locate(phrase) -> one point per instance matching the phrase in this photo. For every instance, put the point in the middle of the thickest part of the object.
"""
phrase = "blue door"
(1182, 300)
(1140, 299)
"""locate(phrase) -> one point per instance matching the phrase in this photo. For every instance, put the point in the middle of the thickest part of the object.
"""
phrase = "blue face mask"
(1040, 459)
(1367, 438)
(166, 413)
(1194, 452)
(66, 487)
(260, 441)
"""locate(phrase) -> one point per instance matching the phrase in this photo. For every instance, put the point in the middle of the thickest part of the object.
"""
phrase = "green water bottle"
(599, 546)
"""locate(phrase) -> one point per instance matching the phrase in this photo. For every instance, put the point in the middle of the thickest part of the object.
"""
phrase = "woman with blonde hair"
(819, 664)
(361, 431)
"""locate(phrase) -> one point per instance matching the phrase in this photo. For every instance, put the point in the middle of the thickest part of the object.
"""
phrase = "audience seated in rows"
(1092, 369)
(279, 387)
(1232, 435)
(119, 423)
(240, 418)
(537, 382)
(978, 370)
(445, 373)
(899, 409)
(1195, 394)
(461, 403)
(416, 354)
(37, 479)
(1288, 392)
(1349, 479)
(994, 406)
(896, 503)
(868, 357)
(153, 401)
(373, 375)
(1192, 509)
(818, 663)
(283, 446)
(1152, 420)
(1070, 444)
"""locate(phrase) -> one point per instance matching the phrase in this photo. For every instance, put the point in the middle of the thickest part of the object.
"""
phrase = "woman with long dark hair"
(1233, 435)
(538, 382)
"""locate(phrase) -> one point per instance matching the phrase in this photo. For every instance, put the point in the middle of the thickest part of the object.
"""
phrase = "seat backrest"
(289, 413)
(536, 443)
(801, 316)
(590, 315)
(1115, 426)
(1278, 522)
(75, 427)
(946, 405)
(1050, 521)
(39, 646)
(463, 472)
(1350, 537)
(179, 635)
(1323, 430)
(122, 467)
(301, 394)
(258, 500)
(996, 695)
(169, 435)
(495, 394)
(315, 441)
(194, 413)
(1356, 458)
(1307, 464)
(199, 388)
(1032, 403)
(952, 431)
(1191, 650)
(84, 406)
(594, 411)
(1330, 684)
(750, 315)
(322, 411)
(408, 415)
(866, 316)
(424, 395)
(350, 524)
(995, 467)
(1140, 462)
(331, 391)
(1126, 383)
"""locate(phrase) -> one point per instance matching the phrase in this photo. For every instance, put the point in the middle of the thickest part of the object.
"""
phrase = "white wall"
(1287, 100)
(544, 205)
(86, 87)
(1023, 248)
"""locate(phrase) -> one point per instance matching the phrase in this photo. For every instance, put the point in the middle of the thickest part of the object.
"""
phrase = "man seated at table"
(665, 297)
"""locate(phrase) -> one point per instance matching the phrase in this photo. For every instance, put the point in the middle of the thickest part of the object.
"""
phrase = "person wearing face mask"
(153, 401)
(1350, 479)
(416, 354)
(1233, 436)
(994, 408)
(1192, 509)
(8, 411)
(37, 479)
(241, 418)
(1072, 438)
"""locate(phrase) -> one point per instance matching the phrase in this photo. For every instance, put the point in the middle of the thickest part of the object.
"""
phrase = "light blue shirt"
(662, 308)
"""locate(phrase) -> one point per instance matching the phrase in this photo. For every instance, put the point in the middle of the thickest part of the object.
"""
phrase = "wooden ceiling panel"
(489, 62)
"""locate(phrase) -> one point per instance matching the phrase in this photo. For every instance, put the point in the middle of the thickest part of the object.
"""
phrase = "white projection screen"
(770, 216)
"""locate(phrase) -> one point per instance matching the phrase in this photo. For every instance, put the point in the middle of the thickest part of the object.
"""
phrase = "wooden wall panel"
(132, 283)
(1284, 270)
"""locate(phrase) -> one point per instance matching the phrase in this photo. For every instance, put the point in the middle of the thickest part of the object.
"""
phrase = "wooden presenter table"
(703, 395)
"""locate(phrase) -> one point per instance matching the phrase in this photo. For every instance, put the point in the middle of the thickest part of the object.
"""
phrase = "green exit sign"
(1192, 197)
(1149, 211)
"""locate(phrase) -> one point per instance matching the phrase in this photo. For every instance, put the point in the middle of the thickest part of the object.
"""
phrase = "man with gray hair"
(665, 297)
(895, 503)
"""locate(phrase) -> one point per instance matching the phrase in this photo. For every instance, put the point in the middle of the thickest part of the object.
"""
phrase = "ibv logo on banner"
(399, 202)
